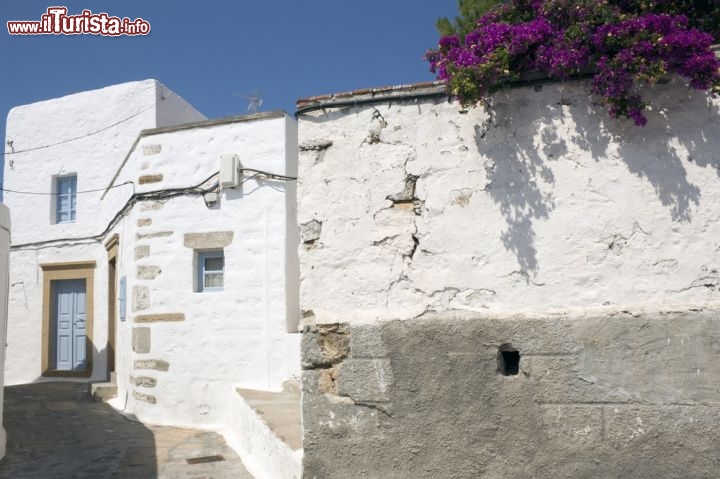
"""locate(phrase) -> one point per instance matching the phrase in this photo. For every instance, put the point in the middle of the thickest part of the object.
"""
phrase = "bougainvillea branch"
(622, 44)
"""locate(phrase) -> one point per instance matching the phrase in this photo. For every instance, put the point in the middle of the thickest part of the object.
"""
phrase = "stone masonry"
(525, 290)
(593, 397)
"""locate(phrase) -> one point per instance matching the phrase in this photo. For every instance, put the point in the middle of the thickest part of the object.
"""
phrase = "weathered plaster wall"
(4, 277)
(432, 237)
(542, 204)
(207, 343)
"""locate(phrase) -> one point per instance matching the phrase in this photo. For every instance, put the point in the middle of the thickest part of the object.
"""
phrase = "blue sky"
(210, 54)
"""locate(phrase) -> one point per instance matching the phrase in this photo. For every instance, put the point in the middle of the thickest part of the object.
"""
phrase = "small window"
(66, 200)
(211, 271)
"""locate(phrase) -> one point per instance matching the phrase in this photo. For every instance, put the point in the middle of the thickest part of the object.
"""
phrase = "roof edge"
(410, 90)
(189, 126)
(214, 122)
(421, 90)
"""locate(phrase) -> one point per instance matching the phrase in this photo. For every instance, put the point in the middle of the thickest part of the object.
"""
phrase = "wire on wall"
(68, 140)
(265, 174)
(156, 195)
(53, 194)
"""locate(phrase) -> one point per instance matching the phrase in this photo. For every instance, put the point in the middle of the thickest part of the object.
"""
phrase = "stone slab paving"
(56, 431)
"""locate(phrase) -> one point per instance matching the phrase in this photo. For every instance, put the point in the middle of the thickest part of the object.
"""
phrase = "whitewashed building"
(4, 256)
(133, 254)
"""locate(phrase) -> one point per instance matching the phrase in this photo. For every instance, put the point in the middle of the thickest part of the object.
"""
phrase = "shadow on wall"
(521, 141)
(248, 187)
(55, 429)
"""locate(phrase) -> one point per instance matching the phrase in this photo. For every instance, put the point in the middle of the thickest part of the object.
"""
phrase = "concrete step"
(104, 391)
(266, 431)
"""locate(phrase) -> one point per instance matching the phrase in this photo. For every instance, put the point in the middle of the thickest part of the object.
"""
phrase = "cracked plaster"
(541, 200)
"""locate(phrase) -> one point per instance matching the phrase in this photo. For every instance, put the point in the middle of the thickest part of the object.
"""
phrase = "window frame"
(72, 200)
(201, 272)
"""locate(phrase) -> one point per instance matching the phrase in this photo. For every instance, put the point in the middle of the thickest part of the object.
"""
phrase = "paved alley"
(55, 430)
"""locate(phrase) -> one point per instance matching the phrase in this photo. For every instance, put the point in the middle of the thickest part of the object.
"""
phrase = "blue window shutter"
(66, 201)
(122, 298)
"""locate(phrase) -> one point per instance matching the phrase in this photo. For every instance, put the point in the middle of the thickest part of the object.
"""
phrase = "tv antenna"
(254, 99)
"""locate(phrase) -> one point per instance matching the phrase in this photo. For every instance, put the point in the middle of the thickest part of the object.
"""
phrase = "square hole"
(508, 360)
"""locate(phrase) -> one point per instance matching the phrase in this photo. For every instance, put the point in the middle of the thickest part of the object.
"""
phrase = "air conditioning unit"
(229, 171)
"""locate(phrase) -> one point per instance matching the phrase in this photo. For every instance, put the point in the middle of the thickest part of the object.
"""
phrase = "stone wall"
(593, 397)
(580, 252)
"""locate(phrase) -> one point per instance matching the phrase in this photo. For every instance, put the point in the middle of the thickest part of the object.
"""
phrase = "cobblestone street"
(56, 431)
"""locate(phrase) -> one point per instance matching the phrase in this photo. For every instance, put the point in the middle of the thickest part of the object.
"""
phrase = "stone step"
(104, 391)
(266, 431)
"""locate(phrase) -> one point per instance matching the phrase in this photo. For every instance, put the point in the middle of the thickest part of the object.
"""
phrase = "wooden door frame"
(112, 251)
(59, 271)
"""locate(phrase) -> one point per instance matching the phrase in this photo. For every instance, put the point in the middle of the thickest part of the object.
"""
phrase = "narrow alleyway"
(56, 431)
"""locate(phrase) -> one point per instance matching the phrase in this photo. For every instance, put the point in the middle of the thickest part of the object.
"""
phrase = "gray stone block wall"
(606, 397)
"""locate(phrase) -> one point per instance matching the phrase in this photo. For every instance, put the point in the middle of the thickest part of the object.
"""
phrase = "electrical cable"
(268, 175)
(156, 195)
(77, 192)
(78, 137)
(249, 178)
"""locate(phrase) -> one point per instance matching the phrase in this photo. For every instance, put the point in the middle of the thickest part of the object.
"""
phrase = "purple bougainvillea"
(623, 47)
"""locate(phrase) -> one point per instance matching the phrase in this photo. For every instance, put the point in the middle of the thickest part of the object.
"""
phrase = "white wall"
(237, 337)
(542, 205)
(292, 262)
(73, 134)
(24, 343)
(4, 253)
(172, 109)
(94, 158)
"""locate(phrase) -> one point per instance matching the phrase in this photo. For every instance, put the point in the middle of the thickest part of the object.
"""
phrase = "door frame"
(58, 271)
(112, 251)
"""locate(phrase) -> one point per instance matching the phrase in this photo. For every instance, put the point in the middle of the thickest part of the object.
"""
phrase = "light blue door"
(70, 319)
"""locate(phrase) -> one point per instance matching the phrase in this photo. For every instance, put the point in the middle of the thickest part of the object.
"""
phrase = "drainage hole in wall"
(508, 360)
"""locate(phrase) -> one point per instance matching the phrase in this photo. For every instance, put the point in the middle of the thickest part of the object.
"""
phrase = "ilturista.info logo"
(57, 22)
